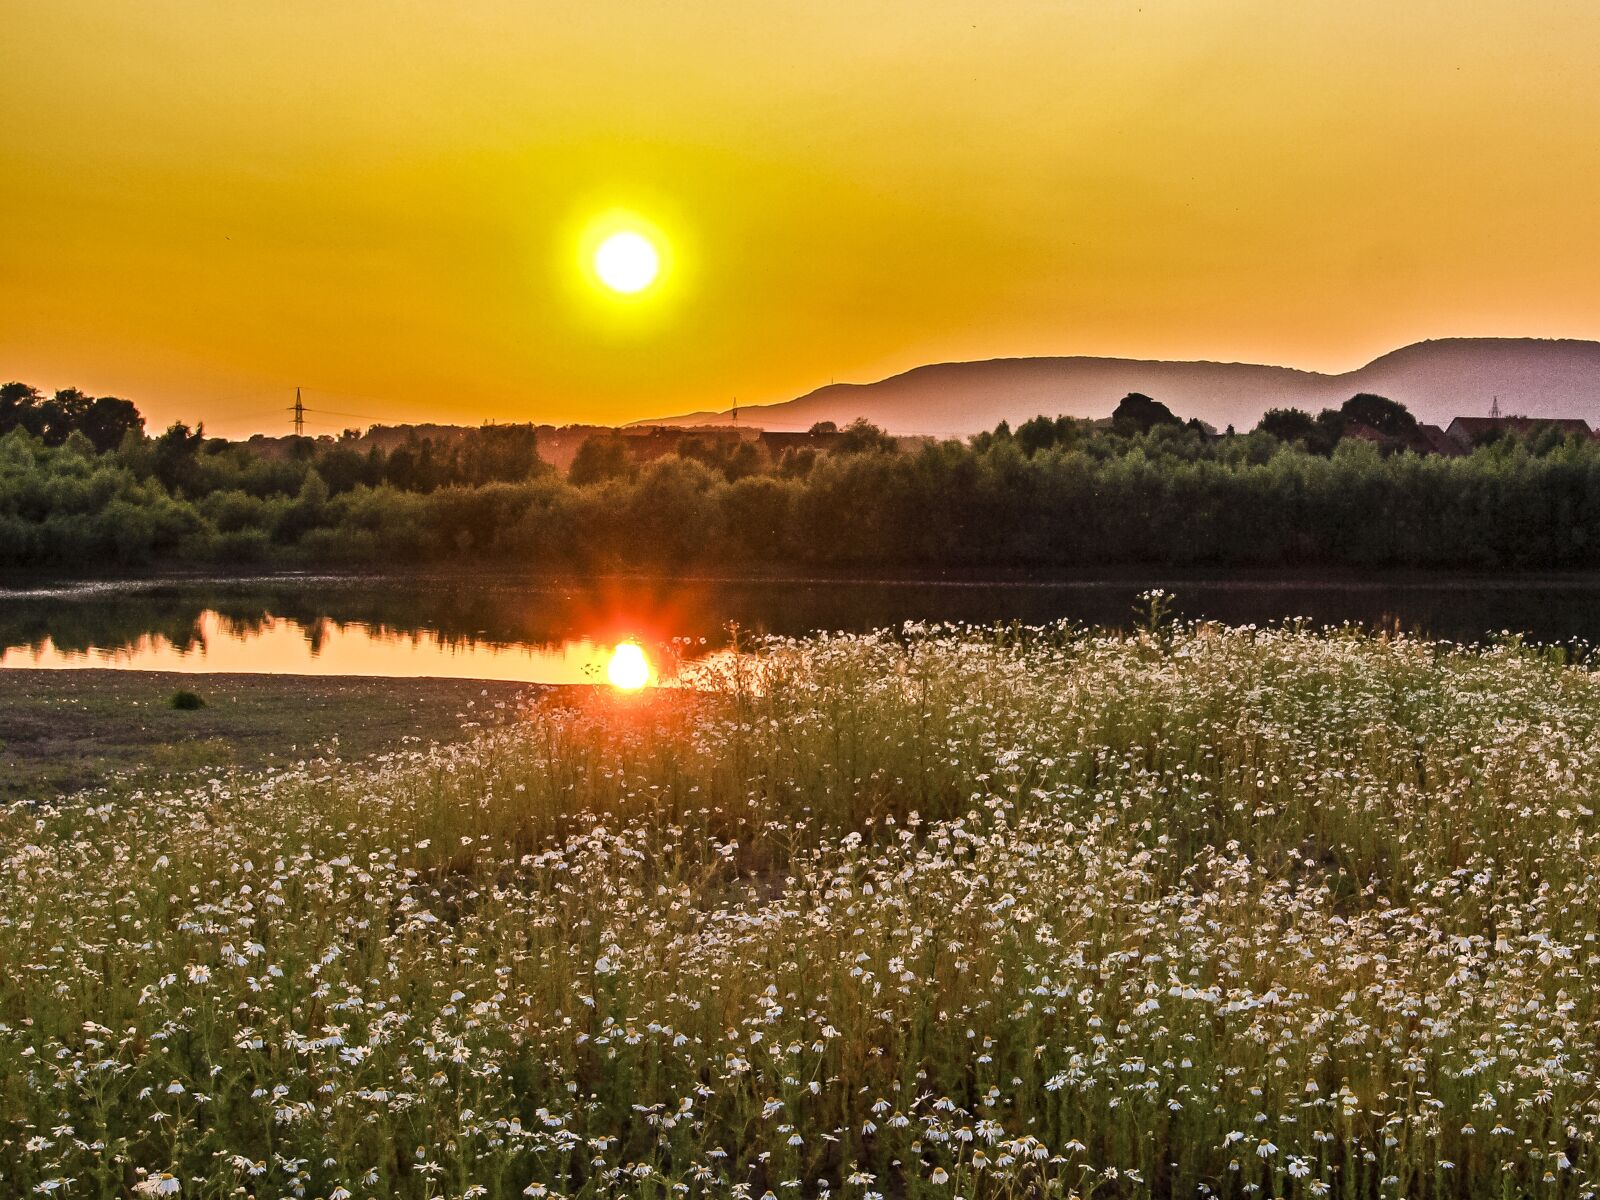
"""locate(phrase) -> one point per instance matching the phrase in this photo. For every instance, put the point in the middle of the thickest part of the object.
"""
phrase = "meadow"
(942, 912)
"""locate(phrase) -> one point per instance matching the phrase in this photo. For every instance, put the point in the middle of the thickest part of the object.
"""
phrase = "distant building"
(1430, 439)
(777, 443)
(1474, 431)
(646, 443)
(1424, 439)
(1356, 431)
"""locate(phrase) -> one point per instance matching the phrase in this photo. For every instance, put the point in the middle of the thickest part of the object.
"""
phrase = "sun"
(629, 669)
(627, 262)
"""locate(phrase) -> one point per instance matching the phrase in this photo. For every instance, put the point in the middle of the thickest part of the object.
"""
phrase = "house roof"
(776, 440)
(1430, 439)
(1424, 439)
(1475, 427)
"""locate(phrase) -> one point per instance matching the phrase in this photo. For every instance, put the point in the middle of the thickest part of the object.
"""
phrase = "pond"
(483, 626)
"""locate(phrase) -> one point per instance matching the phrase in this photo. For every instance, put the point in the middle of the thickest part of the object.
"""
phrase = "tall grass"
(940, 913)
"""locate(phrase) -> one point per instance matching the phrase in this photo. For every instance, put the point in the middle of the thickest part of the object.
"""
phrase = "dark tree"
(107, 420)
(61, 413)
(1388, 417)
(16, 395)
(861, 436)
(342, 469)
(989, 438)
(400, 470)
(498, 454)
(20, 408)
(602, 456)
(797, 464)
(175, 454)
(744, 460)
(425, 475)
(1331, 423)
(1036, 434)
(734, 458)
(825, 427)
(1138, 413)
(104, 421)
(1289, 425)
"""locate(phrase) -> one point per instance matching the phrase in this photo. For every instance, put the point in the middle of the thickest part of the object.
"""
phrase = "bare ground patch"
(63, 731)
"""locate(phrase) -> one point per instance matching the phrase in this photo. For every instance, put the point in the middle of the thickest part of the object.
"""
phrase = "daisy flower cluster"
(934, 912)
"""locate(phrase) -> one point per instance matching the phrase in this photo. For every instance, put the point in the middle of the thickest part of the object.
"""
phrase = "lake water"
(563, 631)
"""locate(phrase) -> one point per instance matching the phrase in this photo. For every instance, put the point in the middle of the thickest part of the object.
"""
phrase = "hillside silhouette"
(1437, 380)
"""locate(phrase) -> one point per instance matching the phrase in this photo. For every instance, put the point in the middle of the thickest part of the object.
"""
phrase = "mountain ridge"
(1438, 379)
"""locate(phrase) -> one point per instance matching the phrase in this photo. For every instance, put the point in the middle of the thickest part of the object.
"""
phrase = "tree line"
(1055, 493)
(104, 421)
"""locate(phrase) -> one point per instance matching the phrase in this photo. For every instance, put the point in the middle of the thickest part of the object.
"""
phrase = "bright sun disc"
(628, 668)
(626, 262)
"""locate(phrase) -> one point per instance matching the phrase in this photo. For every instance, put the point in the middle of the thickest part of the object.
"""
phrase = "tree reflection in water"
(475, 616)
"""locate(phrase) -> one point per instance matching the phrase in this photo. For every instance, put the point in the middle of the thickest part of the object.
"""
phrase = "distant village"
(1463, 434)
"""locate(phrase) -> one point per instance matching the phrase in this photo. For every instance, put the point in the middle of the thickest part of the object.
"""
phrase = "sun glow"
(629, 669)
(627, 262)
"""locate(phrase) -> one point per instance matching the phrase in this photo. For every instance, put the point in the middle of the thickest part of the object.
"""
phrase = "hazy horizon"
(386, 204)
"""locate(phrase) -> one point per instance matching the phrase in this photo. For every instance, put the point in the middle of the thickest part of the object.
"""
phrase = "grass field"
(1191, 911)
(68, 731)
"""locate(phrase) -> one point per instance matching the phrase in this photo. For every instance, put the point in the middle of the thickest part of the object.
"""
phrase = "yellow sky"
(205, 204)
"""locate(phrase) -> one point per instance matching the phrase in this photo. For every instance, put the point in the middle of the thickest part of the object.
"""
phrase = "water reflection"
(299, 625)
(547, 631)
(279, 645)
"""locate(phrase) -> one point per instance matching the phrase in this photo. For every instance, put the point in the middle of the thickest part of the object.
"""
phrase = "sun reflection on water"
(629, 669)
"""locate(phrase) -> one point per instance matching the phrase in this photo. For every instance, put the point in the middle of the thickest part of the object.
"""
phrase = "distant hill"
(1437, 380)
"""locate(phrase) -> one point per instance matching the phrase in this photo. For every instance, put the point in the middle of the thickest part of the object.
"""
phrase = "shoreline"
(31, 585)
(66, 731)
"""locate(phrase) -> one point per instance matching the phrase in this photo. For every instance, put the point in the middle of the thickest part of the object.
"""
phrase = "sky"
(387, 203)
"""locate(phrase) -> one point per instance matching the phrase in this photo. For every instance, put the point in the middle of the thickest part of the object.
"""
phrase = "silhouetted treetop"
(1387, 416)
(602, 456)
(861, 436)
(1138, 413)
(103, 420)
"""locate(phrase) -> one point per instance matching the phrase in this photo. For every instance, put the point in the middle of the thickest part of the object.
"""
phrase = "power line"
(299, 410)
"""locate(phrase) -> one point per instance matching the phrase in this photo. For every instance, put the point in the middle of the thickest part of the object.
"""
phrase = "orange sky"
(207, 204)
